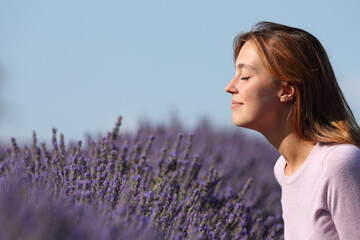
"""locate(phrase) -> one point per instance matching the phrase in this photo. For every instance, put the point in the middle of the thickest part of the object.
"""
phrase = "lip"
(235, 104)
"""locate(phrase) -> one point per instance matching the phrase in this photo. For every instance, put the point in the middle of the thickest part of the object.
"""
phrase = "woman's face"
(255, 98)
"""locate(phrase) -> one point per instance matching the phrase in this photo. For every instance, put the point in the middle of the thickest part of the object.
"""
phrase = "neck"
(289, 144)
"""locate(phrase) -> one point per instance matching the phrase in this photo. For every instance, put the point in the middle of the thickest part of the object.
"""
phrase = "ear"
(287, 92)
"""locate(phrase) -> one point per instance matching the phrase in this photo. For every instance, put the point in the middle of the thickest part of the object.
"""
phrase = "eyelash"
(245, 78)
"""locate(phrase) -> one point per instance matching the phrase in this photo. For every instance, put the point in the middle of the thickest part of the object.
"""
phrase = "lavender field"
(160, 182)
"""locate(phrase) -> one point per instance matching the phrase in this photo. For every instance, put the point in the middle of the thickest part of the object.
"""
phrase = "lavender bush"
(156, 183)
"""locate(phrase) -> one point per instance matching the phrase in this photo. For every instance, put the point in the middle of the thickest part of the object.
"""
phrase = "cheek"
(258, 99)
(246, 91)
(252, 95)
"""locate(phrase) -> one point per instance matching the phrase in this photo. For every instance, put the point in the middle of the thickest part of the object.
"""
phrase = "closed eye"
(245, 78)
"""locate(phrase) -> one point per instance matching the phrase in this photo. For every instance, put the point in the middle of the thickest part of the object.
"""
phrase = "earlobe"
(284, 99)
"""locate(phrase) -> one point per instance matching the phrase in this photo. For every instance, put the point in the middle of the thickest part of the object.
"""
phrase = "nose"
(231, 88)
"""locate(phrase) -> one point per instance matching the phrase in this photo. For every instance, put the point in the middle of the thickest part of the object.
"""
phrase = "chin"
(238, 122)
(241, 122)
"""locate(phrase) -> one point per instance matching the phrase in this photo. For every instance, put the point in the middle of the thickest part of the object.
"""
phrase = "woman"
(285, 88)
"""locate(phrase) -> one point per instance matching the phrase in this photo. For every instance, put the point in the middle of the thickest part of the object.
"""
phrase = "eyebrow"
(245, 65)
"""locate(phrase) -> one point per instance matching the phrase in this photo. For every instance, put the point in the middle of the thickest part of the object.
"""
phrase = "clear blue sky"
(78, 64)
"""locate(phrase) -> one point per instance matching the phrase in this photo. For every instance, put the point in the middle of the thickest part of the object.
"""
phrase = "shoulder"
(341, 178)
(279, 168)
(340, 159)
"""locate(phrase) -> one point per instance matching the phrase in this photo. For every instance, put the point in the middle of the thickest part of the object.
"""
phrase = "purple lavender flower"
(117, 187)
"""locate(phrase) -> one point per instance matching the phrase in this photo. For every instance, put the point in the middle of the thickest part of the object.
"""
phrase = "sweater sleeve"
(341, 173)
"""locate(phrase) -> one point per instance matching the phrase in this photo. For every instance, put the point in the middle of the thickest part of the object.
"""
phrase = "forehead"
(248, 57)
(245, 66)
